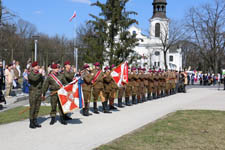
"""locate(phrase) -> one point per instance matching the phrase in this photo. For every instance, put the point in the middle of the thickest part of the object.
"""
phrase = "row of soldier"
(142, 85)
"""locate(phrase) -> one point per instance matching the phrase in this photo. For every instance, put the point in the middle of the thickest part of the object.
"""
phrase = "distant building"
(150, 48)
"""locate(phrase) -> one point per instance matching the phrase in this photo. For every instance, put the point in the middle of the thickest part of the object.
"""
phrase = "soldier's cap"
(133, 68)
(86, 66)
(112, 66)
(107, 68)
(97, 64)
(143, 69)
(150, 70)
(139, 68)
(67, 63)
(34, 64)
(54, 66)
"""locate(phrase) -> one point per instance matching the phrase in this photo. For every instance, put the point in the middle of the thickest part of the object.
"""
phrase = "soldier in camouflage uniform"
(86, 87)
(134, 84)
(98, 88)
(155, 80)
(113, 92)
(150, 84)
(128, 91)
(140, 82)
(69, 76)
(145, 76)
(143, 85)
(167, 91)
(52, 85)
(163, 83)
(35, 80)
(107, 88)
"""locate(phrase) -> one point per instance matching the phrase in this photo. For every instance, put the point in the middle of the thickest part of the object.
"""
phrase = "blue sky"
(52, 16)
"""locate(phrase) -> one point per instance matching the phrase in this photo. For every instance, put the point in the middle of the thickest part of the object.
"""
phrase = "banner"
(120, 74)
(71, 96)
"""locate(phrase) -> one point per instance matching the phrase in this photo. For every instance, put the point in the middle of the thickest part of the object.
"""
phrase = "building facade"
(150, 47)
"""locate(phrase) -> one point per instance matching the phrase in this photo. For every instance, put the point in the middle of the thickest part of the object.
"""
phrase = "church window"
(157, 30)
(158, 8)
(157, 53)
(163, 8)
(171, 58)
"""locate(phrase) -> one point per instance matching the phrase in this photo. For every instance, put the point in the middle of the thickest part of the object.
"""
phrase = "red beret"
(150, 70)
(97, 64)
(34, 64)
(86, 66)
(67, 63)
(143, 69)
(133, 68)
(112, 66)
(139, 68)
(106, 68)
(54, 66)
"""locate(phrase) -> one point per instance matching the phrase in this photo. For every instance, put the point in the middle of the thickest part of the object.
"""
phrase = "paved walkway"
(85, 133)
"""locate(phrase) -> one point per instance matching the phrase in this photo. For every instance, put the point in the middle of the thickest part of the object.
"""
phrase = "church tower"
(159, 21)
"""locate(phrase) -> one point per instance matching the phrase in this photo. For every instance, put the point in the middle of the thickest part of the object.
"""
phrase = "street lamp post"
(36, 37)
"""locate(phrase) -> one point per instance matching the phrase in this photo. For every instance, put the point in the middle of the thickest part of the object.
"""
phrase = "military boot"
(62, 120)
(52, 121)
(111, 107)
(67, 117)
(96, 108)
(36, 123)
(127, 101)
(143, 98)
(134, 99)
(120, 103)
(32, 125)
(104, 107)
(154, 96)
(162, 95)
(86, 110)
(149, 96)
(111, 104)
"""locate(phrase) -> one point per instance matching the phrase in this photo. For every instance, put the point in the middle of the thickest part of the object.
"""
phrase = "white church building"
(150, 47)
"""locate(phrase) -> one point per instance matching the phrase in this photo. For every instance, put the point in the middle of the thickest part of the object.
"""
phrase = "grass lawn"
(13, 115)
(182, 130)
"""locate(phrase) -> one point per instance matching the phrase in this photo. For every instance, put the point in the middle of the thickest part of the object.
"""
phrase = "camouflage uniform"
(69, 76)
(150, 85)
(98, 89)
(35, 80)
(145, 85)
(107, 89)
(86, 87)
(128, 91)
(51, 84)
(134, 86)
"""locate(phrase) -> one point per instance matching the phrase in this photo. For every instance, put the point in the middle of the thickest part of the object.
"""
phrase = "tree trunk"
(165, 60)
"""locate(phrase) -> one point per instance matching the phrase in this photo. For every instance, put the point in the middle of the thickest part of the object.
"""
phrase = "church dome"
(159, 9)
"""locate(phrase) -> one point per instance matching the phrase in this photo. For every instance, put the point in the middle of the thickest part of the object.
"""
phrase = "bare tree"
(169, 35)
(5, 14)
(208, 31)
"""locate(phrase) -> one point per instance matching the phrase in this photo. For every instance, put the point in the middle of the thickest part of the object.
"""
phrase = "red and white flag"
(71, 97)
(74, 15)
(120, 74)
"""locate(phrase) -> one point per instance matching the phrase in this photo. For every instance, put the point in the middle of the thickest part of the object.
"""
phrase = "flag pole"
(75, 49)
